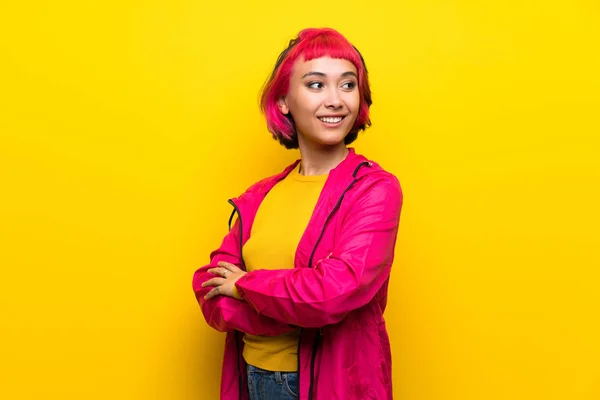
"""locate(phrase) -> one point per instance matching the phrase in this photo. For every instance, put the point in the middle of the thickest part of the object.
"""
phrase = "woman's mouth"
(331, 120)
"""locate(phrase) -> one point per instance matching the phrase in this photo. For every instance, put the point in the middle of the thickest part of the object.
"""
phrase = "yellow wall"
(125, 126)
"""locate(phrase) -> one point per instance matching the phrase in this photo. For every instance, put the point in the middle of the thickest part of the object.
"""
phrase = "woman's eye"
(349, 85)
(315, 85)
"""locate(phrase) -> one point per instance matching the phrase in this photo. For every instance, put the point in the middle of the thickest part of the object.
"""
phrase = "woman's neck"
(319, 161)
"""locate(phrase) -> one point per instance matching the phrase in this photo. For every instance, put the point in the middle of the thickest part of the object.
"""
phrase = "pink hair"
(310, 44)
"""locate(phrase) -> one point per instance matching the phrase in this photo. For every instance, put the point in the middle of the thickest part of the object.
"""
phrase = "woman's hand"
(228, 274)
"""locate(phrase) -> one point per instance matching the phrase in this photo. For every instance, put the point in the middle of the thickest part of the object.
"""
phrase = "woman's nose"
(333, 99)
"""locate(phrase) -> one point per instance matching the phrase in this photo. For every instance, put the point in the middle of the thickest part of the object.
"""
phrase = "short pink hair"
(310, 44)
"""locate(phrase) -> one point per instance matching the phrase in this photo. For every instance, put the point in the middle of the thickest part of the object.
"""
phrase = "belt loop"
(278, 378)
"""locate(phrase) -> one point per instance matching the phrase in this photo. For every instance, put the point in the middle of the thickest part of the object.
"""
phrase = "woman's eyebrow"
(315, 73)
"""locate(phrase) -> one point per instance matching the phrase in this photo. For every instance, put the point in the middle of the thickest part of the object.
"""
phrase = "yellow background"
(126, 125)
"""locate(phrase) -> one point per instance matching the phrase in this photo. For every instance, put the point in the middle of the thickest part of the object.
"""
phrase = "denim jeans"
(269, 385)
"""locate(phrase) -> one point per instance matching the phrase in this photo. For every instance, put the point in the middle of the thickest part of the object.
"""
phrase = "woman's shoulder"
(376, 191)
(374, 185)
(376, 175)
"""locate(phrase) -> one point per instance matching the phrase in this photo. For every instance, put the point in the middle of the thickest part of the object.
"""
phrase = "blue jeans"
(269, 385)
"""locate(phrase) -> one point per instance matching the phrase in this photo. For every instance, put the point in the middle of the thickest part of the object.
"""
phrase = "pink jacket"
(336, 293)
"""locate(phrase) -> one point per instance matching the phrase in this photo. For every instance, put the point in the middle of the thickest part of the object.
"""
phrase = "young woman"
(300, 282)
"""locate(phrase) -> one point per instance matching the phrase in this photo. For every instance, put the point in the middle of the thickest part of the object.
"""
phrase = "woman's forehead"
(323, 65)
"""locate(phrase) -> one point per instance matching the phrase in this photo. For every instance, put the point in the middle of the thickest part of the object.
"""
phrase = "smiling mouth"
(330, 120)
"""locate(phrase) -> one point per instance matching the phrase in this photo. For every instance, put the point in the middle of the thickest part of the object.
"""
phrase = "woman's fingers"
(228, 266)
(226, 276)
(214, 292)
(213, 282)
(218, 271)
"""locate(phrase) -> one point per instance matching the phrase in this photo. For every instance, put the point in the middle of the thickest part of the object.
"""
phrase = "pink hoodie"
(336, 293)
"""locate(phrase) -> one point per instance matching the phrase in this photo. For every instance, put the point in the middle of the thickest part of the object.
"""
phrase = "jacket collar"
(349, 169)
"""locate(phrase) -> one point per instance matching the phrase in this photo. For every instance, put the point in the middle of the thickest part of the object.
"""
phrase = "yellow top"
(279, 224)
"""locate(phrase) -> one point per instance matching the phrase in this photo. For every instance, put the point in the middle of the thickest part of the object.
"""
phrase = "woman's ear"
(283, 106)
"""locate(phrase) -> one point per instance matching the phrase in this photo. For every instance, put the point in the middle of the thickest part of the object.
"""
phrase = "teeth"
(331, 120)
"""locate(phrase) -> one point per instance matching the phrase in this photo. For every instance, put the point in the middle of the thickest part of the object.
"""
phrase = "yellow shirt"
(279, 223)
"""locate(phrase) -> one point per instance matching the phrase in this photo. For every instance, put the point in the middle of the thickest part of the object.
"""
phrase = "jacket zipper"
(237, 210)
(313, 358)
(237, 344)
(319, 335)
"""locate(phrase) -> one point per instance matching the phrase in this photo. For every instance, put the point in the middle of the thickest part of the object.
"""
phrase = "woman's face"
(323, 99)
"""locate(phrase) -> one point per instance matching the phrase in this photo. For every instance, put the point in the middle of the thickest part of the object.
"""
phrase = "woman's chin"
(326, 140)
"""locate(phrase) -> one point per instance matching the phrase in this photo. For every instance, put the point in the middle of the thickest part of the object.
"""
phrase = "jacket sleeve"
(347, 279)
(226, 313)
